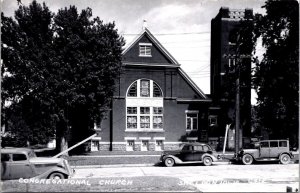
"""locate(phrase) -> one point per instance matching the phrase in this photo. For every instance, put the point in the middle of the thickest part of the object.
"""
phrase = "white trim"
(191, 111)
(192, 138)
(96, 139)
(114, 143)
(144, 138)
(145, 44)
(159, 138)
(153, 64)
(129, 138)
(145, 130)
(171, 142)
(192, 83)
(155, 41)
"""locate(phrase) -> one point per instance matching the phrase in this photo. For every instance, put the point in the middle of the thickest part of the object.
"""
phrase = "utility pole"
(237, 107)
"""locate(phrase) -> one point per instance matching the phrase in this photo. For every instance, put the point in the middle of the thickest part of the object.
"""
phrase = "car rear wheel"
(247, 159)
(56, 176)
(169, 162)
(207, 161)
(284, 159)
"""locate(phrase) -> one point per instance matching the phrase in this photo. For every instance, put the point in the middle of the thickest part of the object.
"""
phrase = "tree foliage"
(58, 70)
(276, 78)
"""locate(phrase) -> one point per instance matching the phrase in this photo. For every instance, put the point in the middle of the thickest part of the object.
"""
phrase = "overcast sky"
(182, 26)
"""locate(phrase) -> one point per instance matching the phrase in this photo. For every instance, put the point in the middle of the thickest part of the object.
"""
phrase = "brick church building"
(156, 105)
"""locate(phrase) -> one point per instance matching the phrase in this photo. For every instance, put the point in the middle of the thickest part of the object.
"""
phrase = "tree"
(89, 59)
(276, 78)
(58, 68)
(27, 52)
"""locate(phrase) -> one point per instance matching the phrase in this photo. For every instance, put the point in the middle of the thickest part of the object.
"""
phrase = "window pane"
(145, 88)
(264, 144)
(188, 124)
(157, 110)
(131, 122)
(131, 110)
(156, 90)
(145, 121)
(145, 50)
(282, 143)
(157, 122)
(195, 123)
(145, 110)
(133, 90)
(19, 157)
(273, 143)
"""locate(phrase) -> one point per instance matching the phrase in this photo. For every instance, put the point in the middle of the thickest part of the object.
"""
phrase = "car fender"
(289, 153)
(209, 155)
(176, 159)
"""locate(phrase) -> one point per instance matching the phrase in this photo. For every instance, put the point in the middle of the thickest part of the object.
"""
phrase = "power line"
(166, 34)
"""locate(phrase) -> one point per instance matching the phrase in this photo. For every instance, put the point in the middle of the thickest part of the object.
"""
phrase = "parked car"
(267, 150)
(22, 163)
(190, 153)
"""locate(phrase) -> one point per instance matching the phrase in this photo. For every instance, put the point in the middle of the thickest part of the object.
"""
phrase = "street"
(217, 178)
(221, 177)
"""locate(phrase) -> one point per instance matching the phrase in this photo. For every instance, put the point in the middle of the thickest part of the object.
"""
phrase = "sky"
(181, 26)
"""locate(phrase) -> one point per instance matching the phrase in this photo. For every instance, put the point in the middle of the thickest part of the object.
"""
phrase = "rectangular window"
(19, 157)
(213, 120)
(145, 110)
(145, 88)
(264, 144)
(145, 122)
(157, 122)
(191, 121)
(159, 145)
(131, 122)
(157, 110)
(145, 146)
(282, 143)
(145, 50)
(130, 145)
(273, 143)
(231, 62)
(131, 110)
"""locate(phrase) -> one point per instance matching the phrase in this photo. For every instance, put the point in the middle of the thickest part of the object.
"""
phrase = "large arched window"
(144, 106)
(144, 88)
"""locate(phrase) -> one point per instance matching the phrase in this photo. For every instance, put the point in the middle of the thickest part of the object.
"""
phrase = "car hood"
(41, 160)
(249, 150)
(171, 152)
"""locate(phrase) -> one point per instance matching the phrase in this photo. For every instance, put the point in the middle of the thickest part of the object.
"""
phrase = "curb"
(112, 166)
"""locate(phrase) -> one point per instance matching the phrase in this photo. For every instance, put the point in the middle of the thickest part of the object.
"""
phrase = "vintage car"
(22, 163)
(267, 150)
(190, 153)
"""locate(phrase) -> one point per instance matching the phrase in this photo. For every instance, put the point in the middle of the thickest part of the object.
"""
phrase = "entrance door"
(95, 145)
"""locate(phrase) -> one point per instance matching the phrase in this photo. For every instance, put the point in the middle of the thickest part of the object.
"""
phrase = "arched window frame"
(138, 87)
(144, 108)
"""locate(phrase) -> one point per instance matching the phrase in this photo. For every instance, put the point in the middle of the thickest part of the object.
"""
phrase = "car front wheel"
(207, 161)
(169, 162)
(284, 159)
(56, 176)
(247, 159)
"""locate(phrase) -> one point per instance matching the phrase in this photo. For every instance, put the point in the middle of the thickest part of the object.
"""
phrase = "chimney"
(144, 24)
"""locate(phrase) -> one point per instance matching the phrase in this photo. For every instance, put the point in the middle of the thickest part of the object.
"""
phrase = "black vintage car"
(190, 153)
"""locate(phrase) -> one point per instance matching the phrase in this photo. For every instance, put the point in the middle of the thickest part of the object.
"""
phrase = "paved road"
(216, 178)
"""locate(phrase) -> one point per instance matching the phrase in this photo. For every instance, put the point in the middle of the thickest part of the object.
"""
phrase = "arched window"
(144, 106)
(144, 88)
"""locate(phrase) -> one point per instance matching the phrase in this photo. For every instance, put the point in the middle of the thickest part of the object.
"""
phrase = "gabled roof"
(145, 31)
(174, 62)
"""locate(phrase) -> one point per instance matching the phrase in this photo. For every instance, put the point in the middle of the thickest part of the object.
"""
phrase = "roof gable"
(159, 55)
